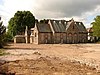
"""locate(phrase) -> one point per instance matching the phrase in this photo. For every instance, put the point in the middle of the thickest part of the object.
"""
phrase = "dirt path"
(76, 56)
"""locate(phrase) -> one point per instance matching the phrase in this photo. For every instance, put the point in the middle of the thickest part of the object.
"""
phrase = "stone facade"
(23, 37)
(59, 31)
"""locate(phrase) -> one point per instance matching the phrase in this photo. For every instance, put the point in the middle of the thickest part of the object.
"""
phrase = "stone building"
(23, 37)
(91, 38)
(59, 31)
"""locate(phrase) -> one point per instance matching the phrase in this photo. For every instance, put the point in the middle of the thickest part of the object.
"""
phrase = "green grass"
(2, 52)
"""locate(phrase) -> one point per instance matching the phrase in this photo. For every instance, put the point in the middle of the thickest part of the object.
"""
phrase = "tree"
(18, 23)
(36, 21)
(96, 27)
(2, 32)
(44, 21)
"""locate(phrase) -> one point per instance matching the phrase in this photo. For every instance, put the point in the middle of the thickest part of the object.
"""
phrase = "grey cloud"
(65, 8)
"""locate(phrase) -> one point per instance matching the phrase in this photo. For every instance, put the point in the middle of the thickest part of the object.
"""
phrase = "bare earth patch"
(46, 66)
(66, 59)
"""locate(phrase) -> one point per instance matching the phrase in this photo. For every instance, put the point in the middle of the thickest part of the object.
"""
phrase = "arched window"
(69, 38)
(46, 36)
(61, 36)
(70, 34)
(75, 34)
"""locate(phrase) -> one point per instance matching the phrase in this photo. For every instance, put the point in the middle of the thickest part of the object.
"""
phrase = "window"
(64, 22)
(32, 32)
(70, 34)
(59, 22)
(46, 36)
(79, 23)
(54, 22)
(61, 36)
(35, 34)
(75, 34)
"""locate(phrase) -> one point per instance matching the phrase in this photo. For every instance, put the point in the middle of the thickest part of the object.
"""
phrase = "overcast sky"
(80, 10)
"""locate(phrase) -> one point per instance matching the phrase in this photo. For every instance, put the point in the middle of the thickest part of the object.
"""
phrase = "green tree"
(2, 33)
(20, 20)
(44, 21)
(96, 27)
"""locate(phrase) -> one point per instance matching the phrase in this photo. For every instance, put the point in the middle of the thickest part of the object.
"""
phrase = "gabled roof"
(68, 25)
(58, 25)
(79, 25)
(42, 27)
(61, 26)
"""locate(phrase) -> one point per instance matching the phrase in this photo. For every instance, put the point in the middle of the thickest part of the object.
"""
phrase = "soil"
(46, 66)
(30, 59)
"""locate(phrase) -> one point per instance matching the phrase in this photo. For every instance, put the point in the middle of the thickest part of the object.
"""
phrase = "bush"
(8, 38)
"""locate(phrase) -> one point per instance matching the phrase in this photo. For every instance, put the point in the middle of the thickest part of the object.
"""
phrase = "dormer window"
(59, 22)
(54, 22)
(64, 22)
(79, 23)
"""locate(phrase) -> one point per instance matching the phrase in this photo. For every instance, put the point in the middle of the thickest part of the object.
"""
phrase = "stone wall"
(45, 38)
(57, 38)
(19, 39)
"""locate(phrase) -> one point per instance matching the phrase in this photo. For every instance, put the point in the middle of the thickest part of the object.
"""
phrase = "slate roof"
(81, 27)
(43, 27)
(60, 26)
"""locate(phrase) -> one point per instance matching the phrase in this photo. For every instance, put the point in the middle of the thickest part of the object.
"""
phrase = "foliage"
(8, 38)
(20, 20)
(96, 27)
(1, 52)
(44, 21)
(2, 34)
